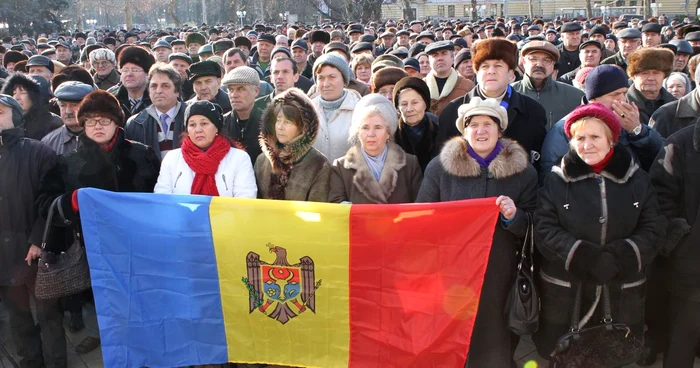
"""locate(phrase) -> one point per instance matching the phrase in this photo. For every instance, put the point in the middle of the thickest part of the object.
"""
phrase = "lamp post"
(241, 15)
(91, 22)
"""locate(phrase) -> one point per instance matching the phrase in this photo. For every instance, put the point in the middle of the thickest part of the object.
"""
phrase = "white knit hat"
(477, 106)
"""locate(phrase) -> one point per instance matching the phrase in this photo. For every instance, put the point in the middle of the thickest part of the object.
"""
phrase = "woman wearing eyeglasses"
(104, 159)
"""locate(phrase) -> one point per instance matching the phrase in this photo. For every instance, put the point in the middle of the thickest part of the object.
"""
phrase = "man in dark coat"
(629, 40)
(242, 124)
(571, 37)
(23, 165)
(647, 90)
(674, 176)
(526, 117)
(205, 77)
(132, 94)
(679, 114)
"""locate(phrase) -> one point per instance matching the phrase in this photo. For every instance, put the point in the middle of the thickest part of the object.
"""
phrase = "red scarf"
(205, 164)
(108, 147)
(597, 168)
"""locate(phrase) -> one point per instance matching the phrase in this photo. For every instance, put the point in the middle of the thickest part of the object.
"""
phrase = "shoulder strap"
(576, 314)
(49, 219)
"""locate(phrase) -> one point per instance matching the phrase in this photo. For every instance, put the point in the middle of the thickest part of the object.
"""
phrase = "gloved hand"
(604, 269)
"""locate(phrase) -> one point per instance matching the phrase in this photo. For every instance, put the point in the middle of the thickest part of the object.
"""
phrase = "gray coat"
(61, 141)
(676, 115)
(143, 128)
(558, 99)
(648, 107)
(455, 175)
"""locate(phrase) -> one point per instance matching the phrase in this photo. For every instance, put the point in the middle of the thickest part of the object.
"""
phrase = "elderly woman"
(105, 160)
(384, 79)
(597, 223)
(206, 164)
(480, 164)
(289, 167)
(678, 84)
(361, 65)
(375, 169)
(104, 61)
(417, 132)
(335, 104)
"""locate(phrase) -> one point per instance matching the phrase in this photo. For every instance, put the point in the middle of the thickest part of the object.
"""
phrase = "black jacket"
(23, 164)
(120, 92)
(220, 99)
(648, 107)
(616, 59)
(423, 146)
(526, 121)
(38, 121)
(245, 135)
(128, 167)
(676, 177)
(568, 60)
(677, 115)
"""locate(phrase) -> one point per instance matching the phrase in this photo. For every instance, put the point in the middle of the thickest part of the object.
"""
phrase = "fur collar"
(446, 89)
(619, 170)
(455, 159)
(376, 191)
(283, 156)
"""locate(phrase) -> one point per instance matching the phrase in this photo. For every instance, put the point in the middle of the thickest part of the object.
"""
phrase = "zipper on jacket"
(223, 176)
(604, 216)
(176, 179)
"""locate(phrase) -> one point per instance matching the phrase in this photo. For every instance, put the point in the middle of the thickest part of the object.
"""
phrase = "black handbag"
(64, 274)
(523, 305)
(605, 345)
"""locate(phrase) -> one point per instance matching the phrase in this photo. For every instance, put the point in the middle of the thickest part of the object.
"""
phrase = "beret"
(629, 33)
(652, 27)
(72, 91)
(440, 45)
(571, 27)
(162, 43)
(178, 55)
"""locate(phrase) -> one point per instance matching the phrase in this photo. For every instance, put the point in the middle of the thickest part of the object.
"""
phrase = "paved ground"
(525, 352)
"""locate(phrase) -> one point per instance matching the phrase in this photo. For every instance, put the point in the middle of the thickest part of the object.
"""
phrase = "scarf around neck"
(446, 89)
(330, 106)
(205, 164)
(484, 162)
(376, 163)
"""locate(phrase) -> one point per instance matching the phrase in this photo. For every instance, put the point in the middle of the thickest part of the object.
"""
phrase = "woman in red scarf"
(206, 163)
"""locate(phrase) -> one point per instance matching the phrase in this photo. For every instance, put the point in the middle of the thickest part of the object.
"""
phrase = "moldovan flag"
(189, 280)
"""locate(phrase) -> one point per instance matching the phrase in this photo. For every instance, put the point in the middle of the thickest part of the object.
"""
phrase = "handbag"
(64, 274)
(523, 304)
(605, 345)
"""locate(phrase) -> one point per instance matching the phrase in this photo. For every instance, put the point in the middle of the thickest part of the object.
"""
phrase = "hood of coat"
(292, 152)
(38, 92)
(375, 190)
(455, 159)
(620, 168)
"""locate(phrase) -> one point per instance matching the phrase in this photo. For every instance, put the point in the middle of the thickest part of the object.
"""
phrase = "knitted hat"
(378, 103)
(598, 111)
(650, 59)
(489, 107)
(605, 79)
(100, 103)
(386, 76)
(582, 74)
(210, 110)
(335, 61)
(495, 49)
(137, 56)
(10, 102)
(463, 55)
(242, 75)
(415, 84)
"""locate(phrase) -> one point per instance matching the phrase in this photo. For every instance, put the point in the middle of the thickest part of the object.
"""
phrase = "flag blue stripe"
(154, 278)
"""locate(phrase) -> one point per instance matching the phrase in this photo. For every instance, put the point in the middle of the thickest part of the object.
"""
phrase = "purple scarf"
(485, 162)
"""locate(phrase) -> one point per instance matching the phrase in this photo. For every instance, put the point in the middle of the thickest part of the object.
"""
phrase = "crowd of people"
(588, 127)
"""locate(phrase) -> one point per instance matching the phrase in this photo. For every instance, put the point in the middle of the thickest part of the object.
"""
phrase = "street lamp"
(4, 25)
(91, 22)
(241, 15)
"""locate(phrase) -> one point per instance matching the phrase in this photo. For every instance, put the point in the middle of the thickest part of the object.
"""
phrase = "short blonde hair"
(579, 124)
(361, 59)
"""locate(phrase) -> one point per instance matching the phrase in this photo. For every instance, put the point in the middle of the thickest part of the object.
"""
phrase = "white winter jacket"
(332, 139)
(235, 177)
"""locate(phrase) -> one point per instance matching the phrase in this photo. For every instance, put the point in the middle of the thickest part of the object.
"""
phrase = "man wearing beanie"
(69, 95)
(526, 117)
(558, 99)
(25, 163)
(132, 94)
(678, 114)
(648, 67)
(242, 124)
(444, 82)
(205, 77)
(607, 84)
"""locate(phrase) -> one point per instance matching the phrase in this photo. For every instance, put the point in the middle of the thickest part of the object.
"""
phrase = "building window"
(441, 10)
(633, 2)
(451, 11)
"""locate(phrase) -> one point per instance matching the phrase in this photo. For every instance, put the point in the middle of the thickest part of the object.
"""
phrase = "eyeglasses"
(132, 71)
(102, 63)
(536, 60)
(93, 122)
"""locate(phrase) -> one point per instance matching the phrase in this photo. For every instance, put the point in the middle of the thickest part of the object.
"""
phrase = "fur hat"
(13, 57)
(415, 84)
(598, 111)
(195, 37)
(137, 56)
(386, 76)
(489, 107)
(100, 103)
(650, 59)
(495, 49)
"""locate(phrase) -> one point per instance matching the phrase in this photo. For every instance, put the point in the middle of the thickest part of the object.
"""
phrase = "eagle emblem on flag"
(281, 290)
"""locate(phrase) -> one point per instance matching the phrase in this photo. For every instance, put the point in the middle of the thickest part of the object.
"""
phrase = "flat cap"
(427, 34)
(204, 69)
(367, 38)
(670, 46)
(629, 33)
(361, 46)
(440, 45)
(162, 43)
(339, 46)
(571, 27)
(72, 91)
(412, 64)
(40, 60)
(597, 30)
(300, 44)
(387, 34)
(619, 25)
(180, 56)
(222, 45)
(652, 27)
(541, 46)
(533, 27)
(683, 47)
(693, 36)
(49, 52)
(400, 52)
(590, 43)
(403, 32)
(206, 49)
(267, 38)
(244, 75)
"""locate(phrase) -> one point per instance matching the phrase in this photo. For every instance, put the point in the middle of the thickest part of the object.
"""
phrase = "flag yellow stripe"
(316, 230)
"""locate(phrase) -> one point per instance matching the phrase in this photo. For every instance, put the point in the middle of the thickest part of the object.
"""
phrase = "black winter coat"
(128, 167)
(424, 147)
(245, 135)
(648, 107)
(120, 92)
(455, 175)
(23, 164)
(677, 115)
(580, 216)
(676, 177)
(526, 121)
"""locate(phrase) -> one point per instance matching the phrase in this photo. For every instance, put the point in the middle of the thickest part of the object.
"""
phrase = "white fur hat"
(477, 106)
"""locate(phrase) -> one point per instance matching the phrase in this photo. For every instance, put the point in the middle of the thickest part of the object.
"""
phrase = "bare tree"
(589, 10)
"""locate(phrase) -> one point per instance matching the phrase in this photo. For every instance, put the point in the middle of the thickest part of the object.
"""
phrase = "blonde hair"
(579, 124)
(361, 59)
